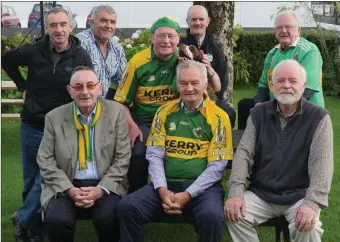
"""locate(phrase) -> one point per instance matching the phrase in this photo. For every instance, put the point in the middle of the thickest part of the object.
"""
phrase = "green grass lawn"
(11, 180)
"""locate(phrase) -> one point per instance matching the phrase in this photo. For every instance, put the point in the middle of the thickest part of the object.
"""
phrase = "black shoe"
(35, 236)
(20, 232)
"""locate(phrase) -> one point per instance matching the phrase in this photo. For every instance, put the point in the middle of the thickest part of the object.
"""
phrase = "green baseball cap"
(165, 22)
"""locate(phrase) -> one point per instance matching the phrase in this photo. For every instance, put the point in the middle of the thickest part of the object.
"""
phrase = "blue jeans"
(30, 139)
(145, 205)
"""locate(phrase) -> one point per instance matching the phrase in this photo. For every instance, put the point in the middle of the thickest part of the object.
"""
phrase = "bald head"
(198, 21)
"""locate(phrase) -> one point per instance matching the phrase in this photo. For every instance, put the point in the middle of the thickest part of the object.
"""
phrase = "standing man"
(148, 83)
(287, 31)
(188, 149)
(84, 158)
(50, 63)
(107, 55)
(287, 147)
(198, 21)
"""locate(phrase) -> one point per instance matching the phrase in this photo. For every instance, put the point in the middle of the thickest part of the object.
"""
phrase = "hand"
(305, 218)
(181, 198)
(24, 94)
(84, 204)
(93, 193)
(76, 194)
(205, 59)
(234, 208)
(167, 199)
(135, 132)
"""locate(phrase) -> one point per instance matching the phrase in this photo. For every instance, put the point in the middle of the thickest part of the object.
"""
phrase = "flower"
(115, 38)
(142, 45)
(139, 31)
(128, 46)
(128, 41)
(135, 36)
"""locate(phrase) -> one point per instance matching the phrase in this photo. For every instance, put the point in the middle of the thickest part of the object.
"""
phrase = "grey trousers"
(258, 211)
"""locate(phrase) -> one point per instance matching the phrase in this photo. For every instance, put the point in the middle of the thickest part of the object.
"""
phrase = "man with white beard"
(287, 147)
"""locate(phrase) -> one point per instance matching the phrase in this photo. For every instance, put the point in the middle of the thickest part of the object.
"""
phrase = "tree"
(221, 28)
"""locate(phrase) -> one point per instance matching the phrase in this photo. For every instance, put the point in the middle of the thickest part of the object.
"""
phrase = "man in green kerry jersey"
(188, 148)
(291, 46)
(148, 82)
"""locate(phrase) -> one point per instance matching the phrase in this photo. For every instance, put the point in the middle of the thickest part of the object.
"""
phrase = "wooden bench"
(280, 223)
(9, 85)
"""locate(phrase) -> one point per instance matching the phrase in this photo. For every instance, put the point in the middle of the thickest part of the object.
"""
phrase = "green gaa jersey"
(148, 83)
(191, 140)
(308, 55)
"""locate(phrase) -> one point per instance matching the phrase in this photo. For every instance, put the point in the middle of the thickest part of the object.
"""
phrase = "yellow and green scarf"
(85, 151)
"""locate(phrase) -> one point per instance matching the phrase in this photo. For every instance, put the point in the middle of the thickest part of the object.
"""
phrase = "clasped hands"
(84, 197)
(173, 203)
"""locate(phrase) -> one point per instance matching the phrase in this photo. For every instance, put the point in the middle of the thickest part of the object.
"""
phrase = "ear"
(208, 21)
(299, 30)
(45, 27)
(69, 90)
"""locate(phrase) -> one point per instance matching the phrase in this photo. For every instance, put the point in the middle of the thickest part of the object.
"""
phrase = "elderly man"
(107, 54)
(50, 63)
(198, 21)
(288, 149)
(149, 82)
(84, 157)
(188, 148)
(291, 46)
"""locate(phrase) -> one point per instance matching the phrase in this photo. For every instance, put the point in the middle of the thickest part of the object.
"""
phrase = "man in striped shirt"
(107, 55)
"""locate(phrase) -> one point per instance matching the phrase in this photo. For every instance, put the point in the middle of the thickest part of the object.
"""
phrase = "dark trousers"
(244, 107)
(61, 215)
(221, 103)
(30, 139)
(138, 169)
(145, 205)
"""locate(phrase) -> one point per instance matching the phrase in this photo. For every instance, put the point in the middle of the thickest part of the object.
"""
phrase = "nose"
(190, 87)
(286, 84)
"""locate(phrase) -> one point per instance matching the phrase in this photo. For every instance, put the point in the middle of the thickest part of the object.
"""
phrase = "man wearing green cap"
(148, 83)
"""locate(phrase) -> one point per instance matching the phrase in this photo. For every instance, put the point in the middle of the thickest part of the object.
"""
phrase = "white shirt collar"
(294, 44)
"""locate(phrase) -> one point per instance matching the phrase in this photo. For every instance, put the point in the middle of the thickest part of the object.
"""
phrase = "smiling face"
(84, 89)
(191, 85)
(165, 41)
(198, 20)
(58, 27)
(104, 26)
(286, 29)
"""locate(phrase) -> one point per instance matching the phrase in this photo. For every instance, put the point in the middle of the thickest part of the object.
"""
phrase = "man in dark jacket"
(50, 63)
(198, 21)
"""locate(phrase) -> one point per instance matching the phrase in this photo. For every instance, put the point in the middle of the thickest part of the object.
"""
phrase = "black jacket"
(47, 77)
(219, 62)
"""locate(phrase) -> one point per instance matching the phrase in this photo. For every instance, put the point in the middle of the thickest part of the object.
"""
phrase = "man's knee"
(210, 216)
(126, 206)
(56, 222)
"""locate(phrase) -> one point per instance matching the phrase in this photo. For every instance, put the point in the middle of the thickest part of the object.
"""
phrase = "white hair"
(290, 62)
(191, 63)
(56, 10)
(287, 12)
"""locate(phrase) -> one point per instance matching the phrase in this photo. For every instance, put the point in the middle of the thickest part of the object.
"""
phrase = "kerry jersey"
(308, 55)
(191, 140)
(148, 83)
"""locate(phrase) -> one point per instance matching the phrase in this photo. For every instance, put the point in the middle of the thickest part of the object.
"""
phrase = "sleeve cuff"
(106, 190)
(236, 192)
(313, 205)
(158, 184)
(194, 190)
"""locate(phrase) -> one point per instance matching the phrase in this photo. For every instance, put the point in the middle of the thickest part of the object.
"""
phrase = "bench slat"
(10, 116)
(8, 85)
(12, 101)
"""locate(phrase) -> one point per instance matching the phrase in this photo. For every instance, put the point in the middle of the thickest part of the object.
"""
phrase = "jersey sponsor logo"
(155, 95)
(184, 123)
(182, 147)
(269, 80)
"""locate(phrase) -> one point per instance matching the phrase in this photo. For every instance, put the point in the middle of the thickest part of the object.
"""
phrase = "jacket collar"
(273, 107)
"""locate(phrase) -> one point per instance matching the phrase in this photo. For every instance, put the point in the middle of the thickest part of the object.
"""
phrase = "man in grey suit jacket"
(84, 157)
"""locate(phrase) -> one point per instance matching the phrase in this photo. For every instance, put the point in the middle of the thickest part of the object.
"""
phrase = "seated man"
(288, 147)
(188, 148)
(84, 158)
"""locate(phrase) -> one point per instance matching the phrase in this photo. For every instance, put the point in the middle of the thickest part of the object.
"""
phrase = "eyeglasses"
(162, 36)
(287, 27)
(89, 86)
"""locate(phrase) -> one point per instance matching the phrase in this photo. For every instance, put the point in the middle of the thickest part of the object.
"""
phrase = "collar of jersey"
(294, 44)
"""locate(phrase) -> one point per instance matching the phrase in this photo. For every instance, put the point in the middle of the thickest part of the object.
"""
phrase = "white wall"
(143, 14)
